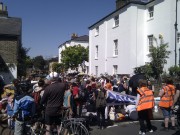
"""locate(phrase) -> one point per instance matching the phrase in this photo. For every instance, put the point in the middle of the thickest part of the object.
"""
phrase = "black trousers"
(101, 116)
(144, 116)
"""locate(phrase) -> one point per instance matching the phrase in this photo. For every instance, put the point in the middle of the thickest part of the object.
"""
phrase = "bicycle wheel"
(74, 128)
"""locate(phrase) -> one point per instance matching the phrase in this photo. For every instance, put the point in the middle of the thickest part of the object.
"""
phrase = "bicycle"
(72, 126)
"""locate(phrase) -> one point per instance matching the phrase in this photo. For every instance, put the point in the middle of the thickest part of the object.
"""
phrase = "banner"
(115, 98)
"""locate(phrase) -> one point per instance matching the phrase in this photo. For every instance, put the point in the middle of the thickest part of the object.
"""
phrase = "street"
(132, 128)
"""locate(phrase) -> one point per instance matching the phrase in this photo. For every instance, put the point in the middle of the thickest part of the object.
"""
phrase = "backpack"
(37, 97)
(82, 95)
(101, 99)
(25, 109)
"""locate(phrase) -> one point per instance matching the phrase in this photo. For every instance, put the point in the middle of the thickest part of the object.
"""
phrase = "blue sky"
(48, 23)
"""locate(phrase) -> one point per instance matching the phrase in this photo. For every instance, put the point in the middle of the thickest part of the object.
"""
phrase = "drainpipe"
(175, 25)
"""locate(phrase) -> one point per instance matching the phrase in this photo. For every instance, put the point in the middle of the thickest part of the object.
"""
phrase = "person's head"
(169, 80)
(142, 83)
(178, 86)
(98, 86)
(41, 83)
(148, 82)
(53, 76)
(16, 82)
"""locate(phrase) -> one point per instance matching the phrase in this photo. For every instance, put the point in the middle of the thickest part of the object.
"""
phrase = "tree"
(58, 67)
(39, 62)
(72, 56)
(22, 63)
(158, 56)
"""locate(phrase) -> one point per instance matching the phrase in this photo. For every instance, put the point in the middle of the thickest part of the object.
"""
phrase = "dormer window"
(97, 31)
(116, 21)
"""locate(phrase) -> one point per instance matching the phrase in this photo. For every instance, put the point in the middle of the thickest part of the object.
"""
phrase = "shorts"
(167, 112)
(50, 120)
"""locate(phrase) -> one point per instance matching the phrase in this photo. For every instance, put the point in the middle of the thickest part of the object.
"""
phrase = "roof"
(81, 38)
(140, 2)
(10, 26)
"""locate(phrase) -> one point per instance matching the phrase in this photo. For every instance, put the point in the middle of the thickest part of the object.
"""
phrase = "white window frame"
(97, 31)
(116, 47)
(96, 71)
(115, 69)
(178, 38)
(116, 21)
(151, 12)
(96, 51)
(150, 41)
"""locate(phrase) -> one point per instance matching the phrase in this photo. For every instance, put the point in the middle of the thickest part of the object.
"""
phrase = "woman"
(166, 102)
(99, 96)
(144, 105)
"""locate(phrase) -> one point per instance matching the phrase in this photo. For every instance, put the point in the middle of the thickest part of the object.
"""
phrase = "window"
(116, 21)
(178, 38)
(97, 31)
(150, 40)
(151, 12)
(96, 71)
(96, 52)
(115, 69)
(115, 47)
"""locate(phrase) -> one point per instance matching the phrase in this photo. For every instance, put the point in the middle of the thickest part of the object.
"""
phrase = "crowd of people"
(21, 101)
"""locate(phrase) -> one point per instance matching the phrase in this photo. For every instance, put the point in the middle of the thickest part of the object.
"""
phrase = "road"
(132, 128)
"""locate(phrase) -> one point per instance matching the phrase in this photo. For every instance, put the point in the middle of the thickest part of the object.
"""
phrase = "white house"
(75, 40)
(120, 41)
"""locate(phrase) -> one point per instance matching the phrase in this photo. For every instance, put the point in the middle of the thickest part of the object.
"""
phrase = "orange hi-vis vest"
(167, 99)
(146, 100)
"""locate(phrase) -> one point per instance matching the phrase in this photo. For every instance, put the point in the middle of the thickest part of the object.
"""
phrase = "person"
(67, 102)
(20, 111)
(9, 108)
(144, 105)
(99, 97)
(176, 96)
(53, 98)
(131, 111)
(166, 102)
(150, 86)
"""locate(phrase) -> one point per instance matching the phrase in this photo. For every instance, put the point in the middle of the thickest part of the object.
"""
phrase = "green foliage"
(145, 69)
(158, 56)
(174, 72)
(72, 56)
(39, 62)
(58, 67)
(22, 63)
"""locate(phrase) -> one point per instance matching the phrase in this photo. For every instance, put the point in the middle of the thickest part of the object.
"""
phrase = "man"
(24, 110)
(167, 96)
(53, 97)
(145, 103)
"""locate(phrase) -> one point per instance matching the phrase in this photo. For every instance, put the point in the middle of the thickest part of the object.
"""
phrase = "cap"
(52, 75)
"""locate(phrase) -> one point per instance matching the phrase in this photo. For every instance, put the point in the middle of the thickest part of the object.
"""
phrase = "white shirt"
(130, 108)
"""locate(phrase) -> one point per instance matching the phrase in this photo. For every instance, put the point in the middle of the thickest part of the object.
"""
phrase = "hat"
(108, 86)
(52, 75)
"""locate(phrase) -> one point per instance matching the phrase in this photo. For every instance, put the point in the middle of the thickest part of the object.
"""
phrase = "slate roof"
(140, 2)
(10, 26)
(80, 38)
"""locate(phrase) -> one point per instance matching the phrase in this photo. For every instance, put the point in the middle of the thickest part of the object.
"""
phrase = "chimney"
(121, 3)
(74, 35)
(3, 10)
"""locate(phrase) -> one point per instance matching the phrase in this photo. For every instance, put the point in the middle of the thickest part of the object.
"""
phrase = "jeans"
(19, 127)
